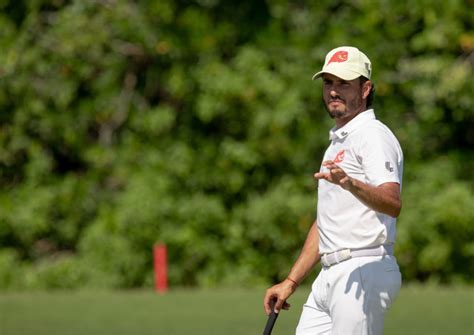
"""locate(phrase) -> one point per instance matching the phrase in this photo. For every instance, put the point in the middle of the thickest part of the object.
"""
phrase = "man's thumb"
(278, 305)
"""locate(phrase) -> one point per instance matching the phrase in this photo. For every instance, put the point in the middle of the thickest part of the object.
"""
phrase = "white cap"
(347, 63)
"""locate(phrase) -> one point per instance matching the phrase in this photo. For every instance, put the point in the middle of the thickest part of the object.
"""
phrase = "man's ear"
(366, 89)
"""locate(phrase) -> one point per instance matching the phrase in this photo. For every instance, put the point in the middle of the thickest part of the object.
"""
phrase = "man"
(359, 185)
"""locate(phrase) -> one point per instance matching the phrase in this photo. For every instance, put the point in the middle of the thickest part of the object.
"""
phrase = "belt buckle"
(344, 255)
(326, 261)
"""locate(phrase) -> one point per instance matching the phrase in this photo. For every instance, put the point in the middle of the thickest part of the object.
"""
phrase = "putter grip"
(271, 320)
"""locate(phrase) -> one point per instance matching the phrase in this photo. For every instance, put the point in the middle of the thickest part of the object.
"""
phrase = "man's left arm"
(384, 198)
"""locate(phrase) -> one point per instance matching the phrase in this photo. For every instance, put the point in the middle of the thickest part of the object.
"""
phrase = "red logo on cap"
(339, 57)
(339, 157)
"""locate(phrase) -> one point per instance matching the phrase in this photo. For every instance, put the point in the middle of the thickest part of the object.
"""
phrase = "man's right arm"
(306, 261)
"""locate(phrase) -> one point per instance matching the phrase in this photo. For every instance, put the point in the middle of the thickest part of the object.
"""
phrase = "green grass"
(418, 310)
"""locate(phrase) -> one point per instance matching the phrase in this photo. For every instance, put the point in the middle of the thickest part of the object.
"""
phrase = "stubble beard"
(336, 113)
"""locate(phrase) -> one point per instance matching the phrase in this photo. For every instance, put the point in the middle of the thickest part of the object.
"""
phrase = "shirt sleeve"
(382, 157)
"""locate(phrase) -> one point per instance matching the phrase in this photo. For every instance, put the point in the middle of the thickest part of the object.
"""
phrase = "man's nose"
(332, 93)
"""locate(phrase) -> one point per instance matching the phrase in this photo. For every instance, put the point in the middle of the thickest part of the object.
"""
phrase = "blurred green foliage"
(196, 124)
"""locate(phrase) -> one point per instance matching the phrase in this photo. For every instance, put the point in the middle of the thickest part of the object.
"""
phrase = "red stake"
(161, 268)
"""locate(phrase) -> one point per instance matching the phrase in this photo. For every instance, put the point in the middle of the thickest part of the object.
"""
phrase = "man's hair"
(370, 97)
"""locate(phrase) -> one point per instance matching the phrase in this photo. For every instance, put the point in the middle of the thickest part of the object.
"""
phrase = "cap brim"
(343, 74)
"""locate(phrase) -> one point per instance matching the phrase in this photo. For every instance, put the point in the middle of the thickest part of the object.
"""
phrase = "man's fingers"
(345, 179)
(268, 309)
(332, 167)
(321, 175)
(330, 164)
(278, 305)
(325, 163)
(266, 303)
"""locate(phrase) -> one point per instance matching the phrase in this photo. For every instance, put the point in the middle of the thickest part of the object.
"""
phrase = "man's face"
(343, 99)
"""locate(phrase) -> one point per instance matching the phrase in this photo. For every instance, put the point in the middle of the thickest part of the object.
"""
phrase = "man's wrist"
(293, 283)
(349, 184)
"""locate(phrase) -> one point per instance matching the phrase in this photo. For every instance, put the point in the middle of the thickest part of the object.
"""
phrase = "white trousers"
(351, 298)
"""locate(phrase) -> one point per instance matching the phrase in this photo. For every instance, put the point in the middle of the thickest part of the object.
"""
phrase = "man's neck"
(341, 122)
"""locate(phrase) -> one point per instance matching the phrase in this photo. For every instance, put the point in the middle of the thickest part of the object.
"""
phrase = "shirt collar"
(356, 122)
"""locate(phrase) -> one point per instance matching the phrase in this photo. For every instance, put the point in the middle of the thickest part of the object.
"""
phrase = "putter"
(271, 319)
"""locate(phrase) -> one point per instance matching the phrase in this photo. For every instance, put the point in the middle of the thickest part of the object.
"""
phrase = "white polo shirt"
(368, 151)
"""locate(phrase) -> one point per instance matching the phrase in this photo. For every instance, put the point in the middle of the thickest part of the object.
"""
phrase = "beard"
(344, 110)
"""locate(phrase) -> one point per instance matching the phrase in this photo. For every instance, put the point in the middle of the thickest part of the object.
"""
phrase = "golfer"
(359, 184)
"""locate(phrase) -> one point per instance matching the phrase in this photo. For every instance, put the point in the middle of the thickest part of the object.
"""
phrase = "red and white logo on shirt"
(339, 156)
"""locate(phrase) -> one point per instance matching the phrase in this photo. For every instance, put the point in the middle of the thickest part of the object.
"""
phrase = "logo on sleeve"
(388, 166)
(339, 156)
(367, 67)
